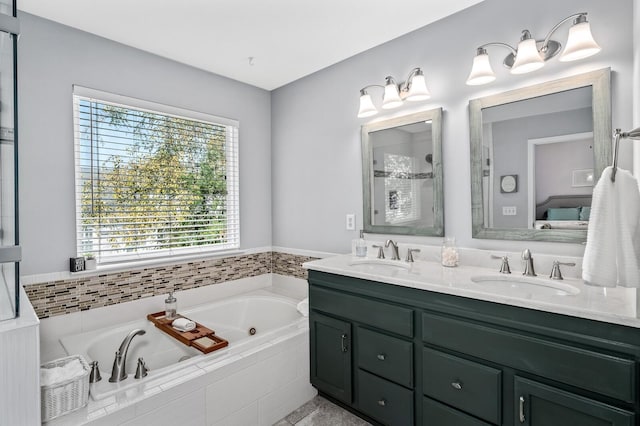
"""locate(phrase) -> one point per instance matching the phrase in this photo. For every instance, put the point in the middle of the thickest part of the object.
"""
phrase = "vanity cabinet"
(331, 356)
(542, 405)
(415, 357)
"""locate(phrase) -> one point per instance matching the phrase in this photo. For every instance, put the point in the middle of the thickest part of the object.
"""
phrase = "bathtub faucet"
(119, 372)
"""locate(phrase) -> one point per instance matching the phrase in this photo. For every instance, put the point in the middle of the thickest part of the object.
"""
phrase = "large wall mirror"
(402, 175)
(536, 154)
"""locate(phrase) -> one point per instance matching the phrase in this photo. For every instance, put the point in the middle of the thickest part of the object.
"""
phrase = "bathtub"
(246, 321)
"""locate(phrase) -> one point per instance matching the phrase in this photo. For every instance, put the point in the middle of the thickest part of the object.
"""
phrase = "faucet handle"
(141, 369)
(380, 251)
(504, 267)
(410, 254)
(94, 376)
(555, 270)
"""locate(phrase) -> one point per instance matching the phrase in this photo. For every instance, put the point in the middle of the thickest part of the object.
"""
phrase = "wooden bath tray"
(202, 338)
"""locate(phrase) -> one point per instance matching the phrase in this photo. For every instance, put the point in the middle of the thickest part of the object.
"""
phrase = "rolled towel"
(303, 307)
(183, 324)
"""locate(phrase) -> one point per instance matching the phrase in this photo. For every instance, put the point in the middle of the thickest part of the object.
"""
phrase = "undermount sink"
(529, 285)
(384, 263)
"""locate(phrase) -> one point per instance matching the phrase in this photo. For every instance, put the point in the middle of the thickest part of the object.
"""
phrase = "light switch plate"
(509, 211)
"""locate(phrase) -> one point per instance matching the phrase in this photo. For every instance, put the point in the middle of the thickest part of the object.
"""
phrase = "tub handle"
(344, 342)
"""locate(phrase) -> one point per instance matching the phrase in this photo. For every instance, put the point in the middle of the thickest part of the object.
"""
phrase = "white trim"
(302, 252)
(151, 106)
(531, 167)
(138, 264)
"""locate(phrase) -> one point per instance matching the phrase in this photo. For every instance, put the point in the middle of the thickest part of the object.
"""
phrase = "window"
(152, 180)
(402, 188)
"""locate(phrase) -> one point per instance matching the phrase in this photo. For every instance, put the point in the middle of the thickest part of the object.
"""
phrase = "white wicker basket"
(66, 396)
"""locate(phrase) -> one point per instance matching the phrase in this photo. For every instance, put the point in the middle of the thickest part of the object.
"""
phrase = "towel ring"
(632, 134)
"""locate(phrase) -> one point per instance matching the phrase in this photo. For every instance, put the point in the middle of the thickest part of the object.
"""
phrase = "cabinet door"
(331, 356)
(541, 405)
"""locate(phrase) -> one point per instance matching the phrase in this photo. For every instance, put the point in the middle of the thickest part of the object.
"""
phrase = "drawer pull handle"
(382, 402)
(344, 342)
(381, 357)
(457, 385)
(521, 404)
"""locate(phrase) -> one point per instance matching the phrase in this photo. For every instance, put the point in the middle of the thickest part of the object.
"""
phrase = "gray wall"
(52, 58)
(636, 82)
(315, 132)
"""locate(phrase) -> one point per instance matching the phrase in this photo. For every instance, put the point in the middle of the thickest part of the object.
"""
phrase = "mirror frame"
(600, 81)
(437, 230)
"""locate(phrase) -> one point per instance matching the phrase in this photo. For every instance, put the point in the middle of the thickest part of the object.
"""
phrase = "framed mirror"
(402, 175)
(536, 154)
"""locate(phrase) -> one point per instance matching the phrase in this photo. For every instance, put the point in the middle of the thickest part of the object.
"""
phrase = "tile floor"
(320, 412)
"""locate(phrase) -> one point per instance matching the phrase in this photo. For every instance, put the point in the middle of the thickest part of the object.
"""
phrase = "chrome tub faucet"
(119, 372)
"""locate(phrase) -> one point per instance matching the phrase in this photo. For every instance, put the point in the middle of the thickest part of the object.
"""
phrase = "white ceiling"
(288, 39)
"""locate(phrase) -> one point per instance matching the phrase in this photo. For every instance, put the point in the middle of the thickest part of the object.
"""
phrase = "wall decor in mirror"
(548, 144)
(402, 175)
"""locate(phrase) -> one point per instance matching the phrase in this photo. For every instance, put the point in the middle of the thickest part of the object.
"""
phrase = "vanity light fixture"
(413, 89)
(531, 54)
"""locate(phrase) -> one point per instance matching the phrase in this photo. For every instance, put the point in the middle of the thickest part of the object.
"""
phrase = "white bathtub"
(270, 315)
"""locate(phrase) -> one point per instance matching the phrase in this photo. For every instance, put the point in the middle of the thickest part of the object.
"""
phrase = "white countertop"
(612, 305)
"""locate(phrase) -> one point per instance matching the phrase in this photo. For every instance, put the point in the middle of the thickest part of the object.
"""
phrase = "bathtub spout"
(119, 372)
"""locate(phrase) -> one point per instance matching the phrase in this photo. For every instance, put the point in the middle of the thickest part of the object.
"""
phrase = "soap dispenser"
(170, 307)
(361, 245)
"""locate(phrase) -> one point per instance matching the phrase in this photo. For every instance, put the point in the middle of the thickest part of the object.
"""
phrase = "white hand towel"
(183, 324)
(303, 307)
(612, 254)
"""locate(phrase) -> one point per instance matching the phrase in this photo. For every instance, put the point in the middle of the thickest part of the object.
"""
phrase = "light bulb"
(580, 43)
(367, 109)
(527, 57)
(391, 98)
(481, 71)
(418, 88)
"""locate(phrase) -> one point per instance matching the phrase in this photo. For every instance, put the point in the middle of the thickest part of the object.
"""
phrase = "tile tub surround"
(257, 387)
(84, 292)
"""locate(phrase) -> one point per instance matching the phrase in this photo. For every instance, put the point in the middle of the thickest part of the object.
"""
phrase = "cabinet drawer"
(436, 414)
(466, 385)
(560, 362)
(395, 319)
(386, 356)
(385, 401)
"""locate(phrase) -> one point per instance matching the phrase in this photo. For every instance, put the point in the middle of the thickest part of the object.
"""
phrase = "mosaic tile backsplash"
(88, 292)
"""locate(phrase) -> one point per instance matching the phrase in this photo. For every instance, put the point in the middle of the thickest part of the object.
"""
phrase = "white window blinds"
(152, 180)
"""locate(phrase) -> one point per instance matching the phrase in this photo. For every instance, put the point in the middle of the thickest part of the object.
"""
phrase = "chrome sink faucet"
(528, 266)
(119, 372)
(394, 249)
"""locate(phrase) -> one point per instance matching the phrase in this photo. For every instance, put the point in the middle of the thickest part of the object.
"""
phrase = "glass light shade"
(527, 58)
(580, 43)
(481, 71)
(418, 90)
(367, 109)
(391, 97)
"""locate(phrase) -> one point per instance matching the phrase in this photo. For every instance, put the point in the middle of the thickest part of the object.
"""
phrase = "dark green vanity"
(403, 356)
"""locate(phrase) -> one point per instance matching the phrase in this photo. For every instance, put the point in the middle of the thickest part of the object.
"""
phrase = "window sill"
(108, 268)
